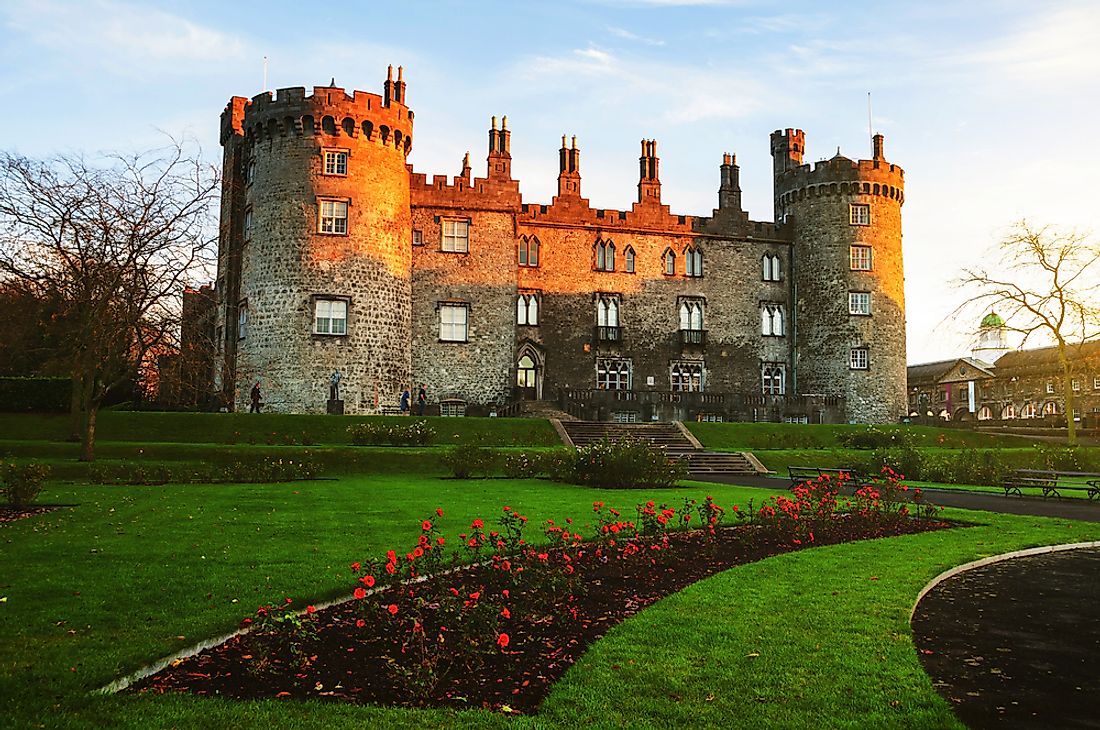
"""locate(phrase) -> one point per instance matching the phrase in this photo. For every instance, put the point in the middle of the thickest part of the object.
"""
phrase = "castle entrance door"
(528, 376)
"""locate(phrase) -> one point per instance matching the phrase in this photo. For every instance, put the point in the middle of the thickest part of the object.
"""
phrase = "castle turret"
(323, 246)
(849, 315)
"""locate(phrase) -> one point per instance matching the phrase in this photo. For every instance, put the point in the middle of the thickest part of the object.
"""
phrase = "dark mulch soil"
(346, 665)
(11, 514)
(1017, 643)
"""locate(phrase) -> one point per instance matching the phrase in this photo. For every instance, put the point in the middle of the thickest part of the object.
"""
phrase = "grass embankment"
(788, 436)
(135, 573)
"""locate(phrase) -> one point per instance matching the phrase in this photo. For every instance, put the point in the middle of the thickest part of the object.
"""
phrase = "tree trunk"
(1067, 394)
(76, 415)
(87, 441)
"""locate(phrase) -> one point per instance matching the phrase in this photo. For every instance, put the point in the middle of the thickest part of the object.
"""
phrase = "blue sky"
(991, 107)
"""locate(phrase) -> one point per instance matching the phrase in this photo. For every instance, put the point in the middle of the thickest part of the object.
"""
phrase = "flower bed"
(419, 631)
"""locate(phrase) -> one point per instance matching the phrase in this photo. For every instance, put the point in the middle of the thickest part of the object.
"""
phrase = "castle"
(334, 255)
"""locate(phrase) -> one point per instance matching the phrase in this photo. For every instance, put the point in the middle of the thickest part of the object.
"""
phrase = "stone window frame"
(242, 319)
(524, 299)
(854, 299)
(1096, 383)
(455, 306)
(452, 408)
(773, 319)
(454, 242)
(859, 358)
(1050, 387)
(668, 262)
(322, 201)
(246, 225)
(606, 377)
(629, 259)
(1029, 411)
(337, 154)
(771, 267)
(687, 376)
(773, 378)
(687, 305)
(1075, 385)
(603, 255)
(861, 257)
(250, 171)
(528, 253)
(1008, 413)
(608, 304)
(693, 261)
(859, 214)
(417, 237)
(314, 300)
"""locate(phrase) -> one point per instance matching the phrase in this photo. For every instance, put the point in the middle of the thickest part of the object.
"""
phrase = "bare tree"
(1045, 282)
(111, 243)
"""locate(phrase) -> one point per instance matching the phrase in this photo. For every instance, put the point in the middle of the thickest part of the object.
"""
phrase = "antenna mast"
(265, 73)
(870, 129)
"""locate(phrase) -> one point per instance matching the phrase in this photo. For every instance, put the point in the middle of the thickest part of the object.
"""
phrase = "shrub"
(465, 461)
(23, 483)
(417, 433)
(875, 438)
(623, 464)
(251, 472)
(44, 395)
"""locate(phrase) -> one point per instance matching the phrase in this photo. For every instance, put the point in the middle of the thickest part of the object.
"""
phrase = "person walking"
(254, 396)
(422, 398)
(405, 401)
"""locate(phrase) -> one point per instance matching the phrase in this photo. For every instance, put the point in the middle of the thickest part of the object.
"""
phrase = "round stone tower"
(318, 206)
(848, 283)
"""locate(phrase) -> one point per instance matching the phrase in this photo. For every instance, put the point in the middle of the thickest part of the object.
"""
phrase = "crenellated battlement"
(462, 192)
(327, 110)
(842, 176)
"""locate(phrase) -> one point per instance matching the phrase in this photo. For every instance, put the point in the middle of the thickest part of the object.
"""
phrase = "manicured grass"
(741, 436)
(270, 428)
(136, 573)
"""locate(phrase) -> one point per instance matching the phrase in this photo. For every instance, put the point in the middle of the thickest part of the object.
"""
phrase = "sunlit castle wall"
(304, 160)
(845, 218)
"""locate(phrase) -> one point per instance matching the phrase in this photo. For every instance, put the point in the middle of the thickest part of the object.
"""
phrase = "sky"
(991, 107)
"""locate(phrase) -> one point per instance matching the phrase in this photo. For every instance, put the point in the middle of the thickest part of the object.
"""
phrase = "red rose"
(360, 593)
(356, 566)
(426, 525)
(392, 609)
(360, 623)
(502, 640)
(505, 613)
(475, 595)
(367, 580)
(477, 524)
(311, 609)
(439, 511)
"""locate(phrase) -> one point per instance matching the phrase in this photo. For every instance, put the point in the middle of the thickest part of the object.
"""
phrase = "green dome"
(992, 320)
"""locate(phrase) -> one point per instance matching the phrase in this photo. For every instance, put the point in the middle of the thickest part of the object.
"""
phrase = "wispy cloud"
(627, 35)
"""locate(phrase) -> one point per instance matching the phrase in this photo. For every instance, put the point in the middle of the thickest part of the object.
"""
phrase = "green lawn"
(131, 574)
(742, 436)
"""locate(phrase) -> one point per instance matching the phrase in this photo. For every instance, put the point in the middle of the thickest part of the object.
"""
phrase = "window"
(693, 261)
(525, 372)
(336, 162)
(773, 378)
(860, 258)
(670, 263)
(859, 302)
(330, 317)
(456, 236)
(858, 359)
(1008, 412)
(1050, 386)
(528, 251)
(691, 314)
(453, 320)
(1075, 384)
(527, 308)
(605, 255)
(624, 417)
(242, 320)
(607, 310)
(452, 408)
(771, 267)
(984, 414)
(771, 319)
(628, 255)
(417, 237)
(1050, 409)
(687, 377)
(859, 214)
(250, 172)
(248, 224)
(334, 217)
(1029, 411)
(612, 373)
(710, 417)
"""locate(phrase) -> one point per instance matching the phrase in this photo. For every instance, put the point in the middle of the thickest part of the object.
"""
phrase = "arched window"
(687, 377)
(773, 378)
(691, 315)
(984, 414)
(771, 267)
(528, 251)
(1050, 408)
(1008, 412)
(525, 371)
(670, 263)
(607, 310)
(527, 308)
(1029, 411)
(771, 319)
(605, 255)
(693, 261)
(628, 254)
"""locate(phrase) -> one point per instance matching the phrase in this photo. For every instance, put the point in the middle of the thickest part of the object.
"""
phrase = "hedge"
(35, 395)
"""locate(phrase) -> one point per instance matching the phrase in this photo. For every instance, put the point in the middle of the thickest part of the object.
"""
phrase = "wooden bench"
(1052, 483)
(801, 474)
(391, 410)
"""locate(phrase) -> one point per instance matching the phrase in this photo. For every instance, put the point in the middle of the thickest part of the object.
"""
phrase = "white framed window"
(452, 408)
(330, 316)
(859, 214)
(528, 251)
(336, 162)
(859, 302)
(605, 255)
(417, 237)
(1075, 384)
(860, 258)
(607, 310)
(771, 266)
(858, 358)
(454, 322)
(613, 373)
(1029, 411)
(984, 413)
(628, 259)
(687, 376)
(248, 224)
(333, 217)
(242, 320)
(691, 314)
(624, 417)
(527, 308)
(1050, 408)
(1050, 386)
(1096, 383)
(771, 319)
(456, 236)
(693, 261)
(1008, 412)
(670, 263)
(710, 417)
(773, 378)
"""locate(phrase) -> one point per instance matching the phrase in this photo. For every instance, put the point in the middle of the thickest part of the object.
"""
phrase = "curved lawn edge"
(1040, 550)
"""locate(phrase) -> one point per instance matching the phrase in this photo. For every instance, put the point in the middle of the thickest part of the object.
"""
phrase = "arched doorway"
(528, 374)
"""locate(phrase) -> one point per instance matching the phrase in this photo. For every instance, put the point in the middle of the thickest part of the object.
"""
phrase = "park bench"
(391, 410)
(1052, 483)
(802, 474)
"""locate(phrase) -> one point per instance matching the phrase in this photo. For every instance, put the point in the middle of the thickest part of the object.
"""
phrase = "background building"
(336, 255)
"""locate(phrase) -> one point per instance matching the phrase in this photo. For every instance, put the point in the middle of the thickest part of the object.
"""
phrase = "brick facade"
(688, 332)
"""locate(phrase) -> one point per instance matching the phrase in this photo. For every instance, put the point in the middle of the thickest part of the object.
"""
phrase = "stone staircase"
(675, 440)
